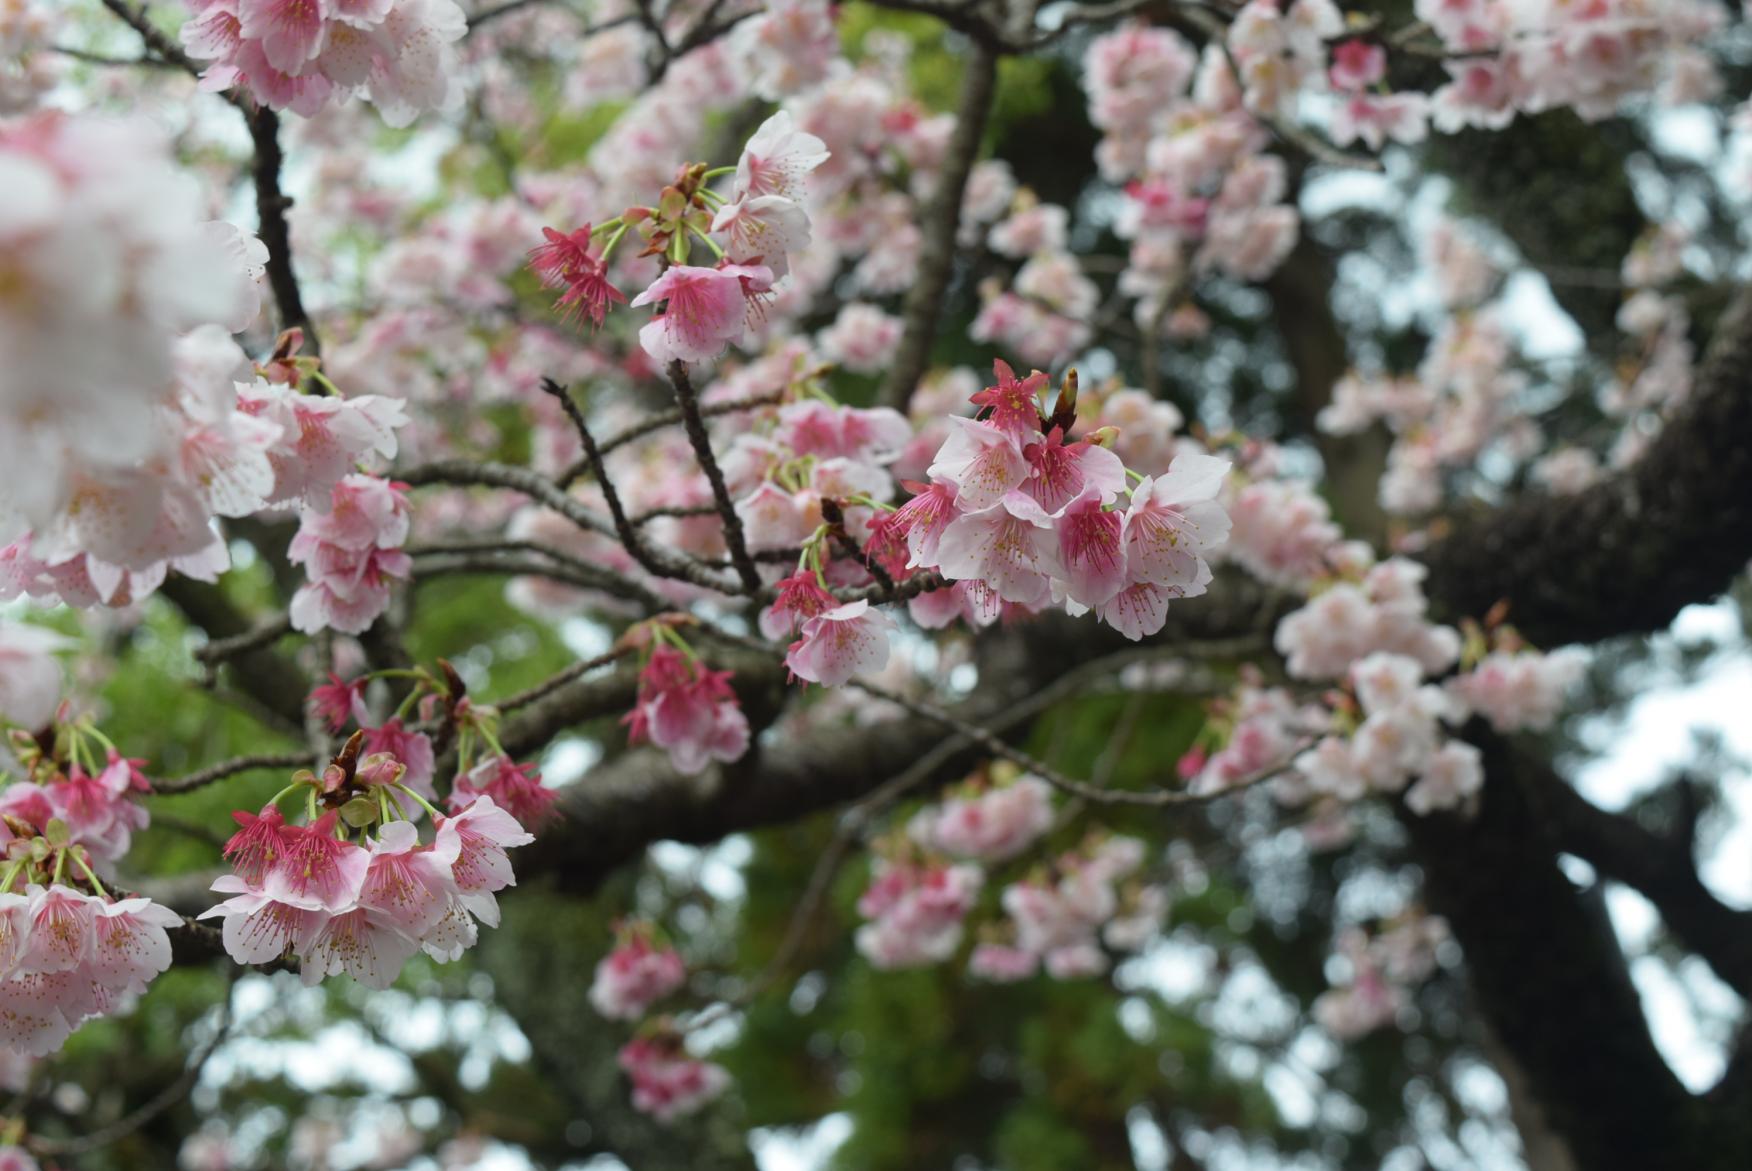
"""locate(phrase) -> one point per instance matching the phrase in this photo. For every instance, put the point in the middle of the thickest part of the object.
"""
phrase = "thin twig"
(166, 48)
(559, 679)
(649, 559)
(229, 768)
(221, 649)
(941, 220)
(657, 422)
(989, 740)
(144, 61)
(509, 565)
(469, 555)
(695, 427)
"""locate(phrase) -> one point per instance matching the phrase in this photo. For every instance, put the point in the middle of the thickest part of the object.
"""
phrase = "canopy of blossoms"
(838, 458)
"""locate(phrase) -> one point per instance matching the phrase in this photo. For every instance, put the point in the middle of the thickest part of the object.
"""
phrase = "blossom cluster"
(686, 708)
(762, 224)
(1059, 920)
(70, 949)
(915, 912)
(637, 972)
(124, 389)
(1063, 918)
(66, 956)
(339, 906)
(667, 1082)
(1381, 971)
(299, 54)
(1200, 194)
(109, 261)
(1466, 399)
(95, 808)
(1018, 514)
(349, 550)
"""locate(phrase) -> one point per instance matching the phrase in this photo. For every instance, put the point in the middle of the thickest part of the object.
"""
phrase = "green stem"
(60, 866)
(424, 804)
(707, 241)
(715, 172)
(612, 241)
(91, 875)
(11, 876)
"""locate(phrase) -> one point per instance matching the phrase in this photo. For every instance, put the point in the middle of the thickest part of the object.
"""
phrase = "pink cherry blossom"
(668, 1084)
(409, 887)
(688, 710)
(992, 827)
(862, 338)
(982, 461)
(847, 640)
(704, 310)
(339, 702)
(350, 551)
(515, 788)
(916, 914)
(634, 976)
(567, 262)
(1010, 547)
(764, 229)
(800, 598)
(778, 158)
(923, 519)
(317, 871)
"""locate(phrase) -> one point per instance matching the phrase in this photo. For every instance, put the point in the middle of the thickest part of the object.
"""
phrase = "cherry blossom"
(349, 551)
(567, 262)
(667, 1083)
(993, 826)
(705, 309)
(297, 54)
(915, 913)
(851, 639)
(1520, 690)
(688, 710)
(635, 975)
(515, 788)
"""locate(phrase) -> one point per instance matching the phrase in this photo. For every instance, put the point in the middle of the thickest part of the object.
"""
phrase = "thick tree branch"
(1549, 976)
(1623, 557)
(1659, 867)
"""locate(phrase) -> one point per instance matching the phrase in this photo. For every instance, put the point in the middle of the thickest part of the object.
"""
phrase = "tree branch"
(1660, 868)
(1548, 974)
(230, 768)
(271, 205)
(940, 219)
(1625, 556)
(695, 427)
